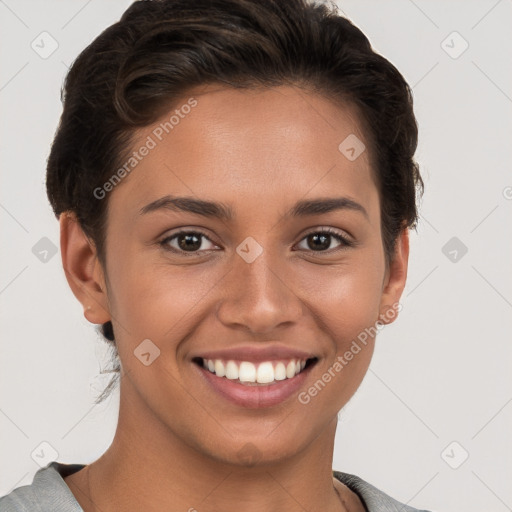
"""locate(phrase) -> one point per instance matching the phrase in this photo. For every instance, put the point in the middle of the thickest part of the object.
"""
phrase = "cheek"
(346, 298)
(345, 304)
(158, 301)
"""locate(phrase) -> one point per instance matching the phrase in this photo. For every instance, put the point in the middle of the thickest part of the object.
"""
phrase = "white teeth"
(220, 371)
(280, 371)
(246, 371)
(231, 370)
(265, 373)
(290, 369)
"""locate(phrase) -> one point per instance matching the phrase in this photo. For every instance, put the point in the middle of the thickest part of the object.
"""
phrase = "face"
(264, 287)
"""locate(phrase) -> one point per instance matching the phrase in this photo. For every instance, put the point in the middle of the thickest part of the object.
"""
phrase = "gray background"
(439, 386)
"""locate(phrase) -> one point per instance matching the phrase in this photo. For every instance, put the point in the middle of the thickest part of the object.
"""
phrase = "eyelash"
(346, 243)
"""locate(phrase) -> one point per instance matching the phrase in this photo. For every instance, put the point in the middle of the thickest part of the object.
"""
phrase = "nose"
(260, 296)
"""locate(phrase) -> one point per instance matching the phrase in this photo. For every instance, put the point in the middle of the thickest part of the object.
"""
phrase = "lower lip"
(254, 397)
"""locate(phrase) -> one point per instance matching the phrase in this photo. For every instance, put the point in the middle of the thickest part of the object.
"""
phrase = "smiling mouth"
(264, 373)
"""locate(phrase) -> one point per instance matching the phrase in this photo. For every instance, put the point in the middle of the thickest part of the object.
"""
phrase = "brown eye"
(186, 242)
(320, 241)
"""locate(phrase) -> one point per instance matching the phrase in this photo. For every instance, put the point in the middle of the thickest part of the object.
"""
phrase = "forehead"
(256, 144)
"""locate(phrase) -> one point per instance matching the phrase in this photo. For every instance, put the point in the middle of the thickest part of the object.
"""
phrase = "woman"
(235, 182)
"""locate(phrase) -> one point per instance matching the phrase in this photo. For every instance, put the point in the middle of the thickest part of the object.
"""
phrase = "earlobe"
(396, 277)
(83, 270)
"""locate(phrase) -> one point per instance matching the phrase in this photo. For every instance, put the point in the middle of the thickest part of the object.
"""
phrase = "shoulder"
(373, 499)
(48, 491)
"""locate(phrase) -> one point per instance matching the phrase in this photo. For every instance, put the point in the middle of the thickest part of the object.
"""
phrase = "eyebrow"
(212, 209)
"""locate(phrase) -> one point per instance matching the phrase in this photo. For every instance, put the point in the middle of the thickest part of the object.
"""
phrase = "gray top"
(48, 492)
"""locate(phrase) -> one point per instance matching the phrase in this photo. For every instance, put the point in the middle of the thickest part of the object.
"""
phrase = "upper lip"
(256, 353)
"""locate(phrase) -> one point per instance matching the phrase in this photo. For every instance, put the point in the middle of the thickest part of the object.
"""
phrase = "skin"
(177, 442)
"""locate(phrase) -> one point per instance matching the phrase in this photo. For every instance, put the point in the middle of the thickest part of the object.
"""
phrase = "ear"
(83, 269)
(394, 280)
